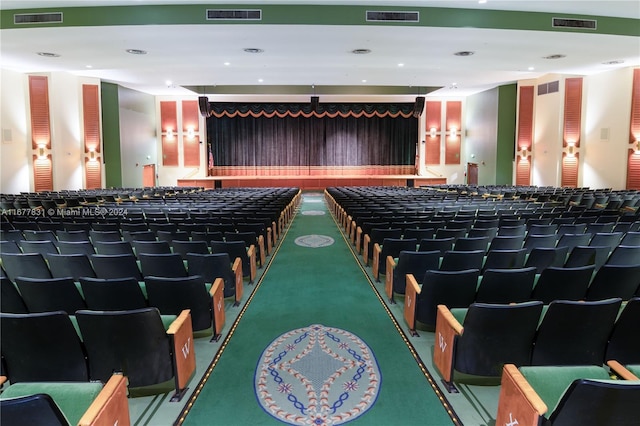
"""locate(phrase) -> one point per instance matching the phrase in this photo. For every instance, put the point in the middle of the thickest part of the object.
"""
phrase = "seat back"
(539, 241)
(70, 265)
(587, 255)
(42, 347)
(162, 265)
(460, 260)
(615, 281)
(572, 240)
(495, 335)
(234, 249)
(624, 345)
(624, 255)
(185, 247)
(543, 257)
(211, 266)
(72, 235)
(38, 246)
(564, 283)
(76, 247)
(172, 295)
(471, 244)
(132, 342)
(505, 259)
(9, 246)
(506, 285)
(416, 263)
(598, 402)
(392, 247)
(114, 294)
(10, 299)
(104, 236)
(33, 410)
(575, 333)
(151, 247)
(113, 247)
(30, 265)
(506, 242)
(116, 266)
(50, 294)
(454, 289)
(440, 244)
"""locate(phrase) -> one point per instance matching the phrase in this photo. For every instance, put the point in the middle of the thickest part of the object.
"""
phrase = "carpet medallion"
(314, 241)
(317, 375)
(312, 213)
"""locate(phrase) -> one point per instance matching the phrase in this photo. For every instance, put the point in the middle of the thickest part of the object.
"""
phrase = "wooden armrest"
(111, 406)
(376, 260)
(252, 261)
(352, 232)
(621, 371)
(388, 278)
(365, 249)
(261, 249)
(184, 358)
(271, 232)
(411, 293)
(237, 271)
(217, 297)
(3, 380)
(447, 330)
(518, 403)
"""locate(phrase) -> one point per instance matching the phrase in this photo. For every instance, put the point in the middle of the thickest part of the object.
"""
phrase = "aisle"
(315, 345)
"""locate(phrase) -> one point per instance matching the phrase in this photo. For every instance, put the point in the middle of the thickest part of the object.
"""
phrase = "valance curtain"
(296, 135)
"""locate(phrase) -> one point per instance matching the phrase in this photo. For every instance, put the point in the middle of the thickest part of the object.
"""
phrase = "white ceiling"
(195, 55)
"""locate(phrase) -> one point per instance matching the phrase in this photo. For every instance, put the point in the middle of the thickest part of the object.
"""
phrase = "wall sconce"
(523, 152)
(571, 145)
(169, 134)
(636, 147)
(453, 132)
(92, 154)
(41, 154)
(190, 133)
(433, 132)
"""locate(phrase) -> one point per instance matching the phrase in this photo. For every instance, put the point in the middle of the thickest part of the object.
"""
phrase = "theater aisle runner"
(315, 345)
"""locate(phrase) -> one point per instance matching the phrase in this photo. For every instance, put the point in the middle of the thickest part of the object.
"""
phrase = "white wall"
(547, 134)
(606, 117)
(480, 143)
(15, 144)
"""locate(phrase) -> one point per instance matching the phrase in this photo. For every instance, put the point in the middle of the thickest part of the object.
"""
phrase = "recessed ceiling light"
(226, 64)
(88, 66)
(531, 68)
(464, 53)
(361, 51)
(364, 81)
(401, 65)
(260, 80)
(554, 56)
(614, 62)
(253, 50)
(48, 54)
(137, 51)
(168, 82)
(482, 1)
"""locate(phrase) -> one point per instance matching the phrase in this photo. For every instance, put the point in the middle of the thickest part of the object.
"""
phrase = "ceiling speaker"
(418, 107)
(205, 107)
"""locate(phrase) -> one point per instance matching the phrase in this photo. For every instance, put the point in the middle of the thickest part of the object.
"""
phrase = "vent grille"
(234, 14)
(38, 18)
(550, 87)
(585, 24)
(384, 16)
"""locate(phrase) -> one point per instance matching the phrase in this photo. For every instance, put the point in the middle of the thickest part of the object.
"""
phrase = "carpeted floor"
(317, 283)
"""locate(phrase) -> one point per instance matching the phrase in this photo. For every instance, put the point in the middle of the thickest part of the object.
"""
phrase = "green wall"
(506, 134)
(111, 135)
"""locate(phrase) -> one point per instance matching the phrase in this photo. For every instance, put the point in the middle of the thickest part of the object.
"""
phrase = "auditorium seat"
(169, 265)
(539, 241)
(43, 247)
(565, 283)
(237, 249)
(42, 347)
(543, 257)
(185, 247)
(104, 236)
(479, 340)
(250, 238)
(587, 255)
(65, 403)
(453, 260)
(440, 244)
(377, 236)
(116, 266)
(389, 247)
(454, 289)
(76, 247)
(9, 246)
(614, 281)
(136, 343)
(631, 238)
(504, 259)
(72, 236)
(624, 345)
(505, 285)
(566, 396)
(624, 255)
(151, 247)
(70, 265)
(506, 242)
(50, 294)
(409, 262)
(218, 265)
(575, 332)
(113, 247)
(472, 243)
(572, 240)
(113, 294)
(10, 299)
(31, 265)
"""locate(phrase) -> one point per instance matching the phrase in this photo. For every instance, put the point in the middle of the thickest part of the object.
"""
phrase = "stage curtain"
(293, 135)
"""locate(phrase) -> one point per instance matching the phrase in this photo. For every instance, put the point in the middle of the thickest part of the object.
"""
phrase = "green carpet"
(305, 286)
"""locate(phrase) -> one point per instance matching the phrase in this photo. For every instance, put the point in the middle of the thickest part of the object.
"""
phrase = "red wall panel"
(190, 122)
(633, 171)
(572, 111)
(633, 164)
(39, 106)
(452, 142)
(169, 150)
(569, 170)
(523, 171)
(433, 119)
(91, 119)
(42, 173)
(93, 173)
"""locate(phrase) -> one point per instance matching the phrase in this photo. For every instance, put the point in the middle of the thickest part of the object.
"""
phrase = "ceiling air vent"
(383, 16)
(38, 18)
(585, 24)
(234, 14)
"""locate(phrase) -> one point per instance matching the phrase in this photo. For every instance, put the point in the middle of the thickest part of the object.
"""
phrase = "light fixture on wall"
(169, 134)
(41, 154)
(92, 154)
(636, 147)
(571, 145)
(433, 132)
(190, 133)
(453, 132)
(523, 152)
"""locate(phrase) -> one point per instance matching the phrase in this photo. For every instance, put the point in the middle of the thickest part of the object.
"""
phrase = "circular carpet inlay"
(314, 241)
(317, 375)
(312, 213)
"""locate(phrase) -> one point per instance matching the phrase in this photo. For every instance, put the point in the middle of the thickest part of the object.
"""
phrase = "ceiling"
(317, 59)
